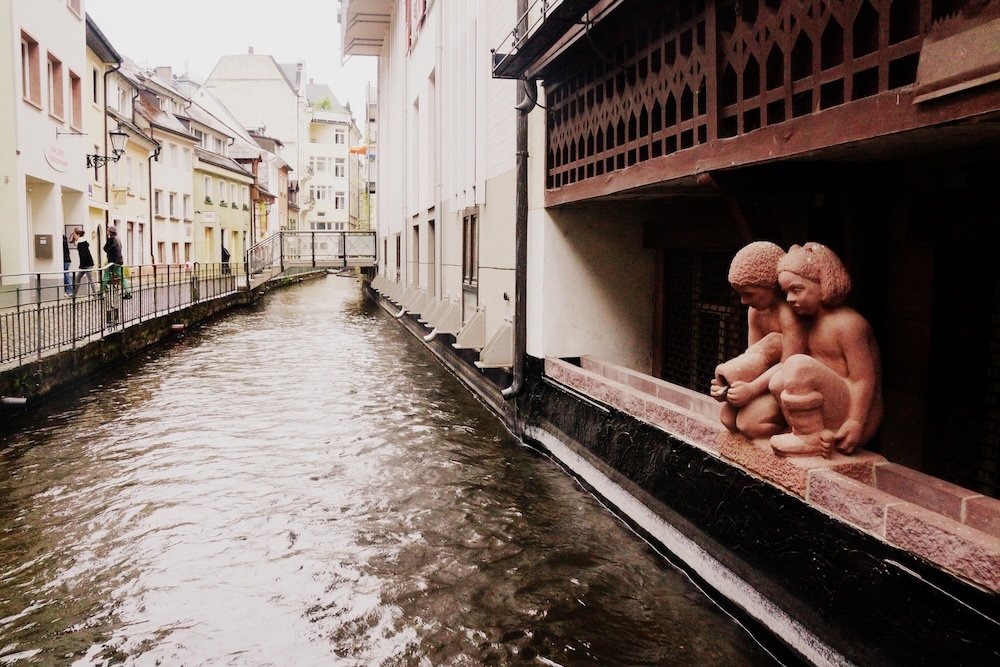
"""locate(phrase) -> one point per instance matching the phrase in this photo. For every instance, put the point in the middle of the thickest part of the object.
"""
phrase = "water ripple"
(299, 483)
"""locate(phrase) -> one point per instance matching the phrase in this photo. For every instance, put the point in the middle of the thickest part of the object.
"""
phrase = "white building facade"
(446, 153)
(45, 74)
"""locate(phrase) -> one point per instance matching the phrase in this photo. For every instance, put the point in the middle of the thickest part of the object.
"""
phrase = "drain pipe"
(525, 103)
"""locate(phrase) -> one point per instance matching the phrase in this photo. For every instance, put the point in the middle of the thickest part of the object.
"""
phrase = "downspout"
(524, 106)
(155, 155)
(107, 189)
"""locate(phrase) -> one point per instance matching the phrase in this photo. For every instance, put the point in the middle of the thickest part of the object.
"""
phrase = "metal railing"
(37, 316)
(42, 313)
(286, 250)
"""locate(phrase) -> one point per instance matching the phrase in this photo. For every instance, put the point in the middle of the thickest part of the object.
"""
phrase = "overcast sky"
(191, 36)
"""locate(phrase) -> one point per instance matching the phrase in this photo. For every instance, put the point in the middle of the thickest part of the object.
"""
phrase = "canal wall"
(36, 380)
(814, 587)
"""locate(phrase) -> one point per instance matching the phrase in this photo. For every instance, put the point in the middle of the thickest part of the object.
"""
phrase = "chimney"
(165, 73)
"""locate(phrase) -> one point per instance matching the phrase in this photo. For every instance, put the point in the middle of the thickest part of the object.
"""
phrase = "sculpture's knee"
(797, 402)
(798, 371)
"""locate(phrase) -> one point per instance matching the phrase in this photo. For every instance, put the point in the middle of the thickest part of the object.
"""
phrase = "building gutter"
(524, 106)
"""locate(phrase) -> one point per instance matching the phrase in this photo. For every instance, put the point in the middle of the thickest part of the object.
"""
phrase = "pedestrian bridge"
(40, 315)
(293, 251)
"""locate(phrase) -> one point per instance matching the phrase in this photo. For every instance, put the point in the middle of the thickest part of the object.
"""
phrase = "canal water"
(300, 484)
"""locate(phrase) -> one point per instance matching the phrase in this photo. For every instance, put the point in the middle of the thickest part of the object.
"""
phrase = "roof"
(100, 45)
(221, 161)
(317, 92)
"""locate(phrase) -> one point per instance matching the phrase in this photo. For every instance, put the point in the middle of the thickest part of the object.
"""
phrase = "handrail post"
(38, 313)
(343, 245)
(281, 250)
(313, 245)
(194, 283)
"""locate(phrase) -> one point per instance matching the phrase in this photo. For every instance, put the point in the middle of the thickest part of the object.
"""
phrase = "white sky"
(191, 36)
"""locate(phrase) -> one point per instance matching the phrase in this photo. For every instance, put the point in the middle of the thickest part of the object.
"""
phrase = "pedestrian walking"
(115, 273)
(67, 274)
(86, 270)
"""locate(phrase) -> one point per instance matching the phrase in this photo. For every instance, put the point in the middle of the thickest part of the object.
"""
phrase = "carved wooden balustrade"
(665, 79)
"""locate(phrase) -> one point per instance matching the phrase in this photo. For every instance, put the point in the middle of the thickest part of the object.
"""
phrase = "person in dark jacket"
(86, 262)
(115, 272)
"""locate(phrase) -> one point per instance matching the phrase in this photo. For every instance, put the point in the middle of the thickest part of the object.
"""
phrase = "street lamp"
(118, 141)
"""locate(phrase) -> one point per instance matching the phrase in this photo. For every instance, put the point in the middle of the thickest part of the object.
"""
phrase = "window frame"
(31, 74)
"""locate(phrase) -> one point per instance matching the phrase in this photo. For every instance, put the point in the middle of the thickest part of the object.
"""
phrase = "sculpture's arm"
(741, 393)
(856, 342)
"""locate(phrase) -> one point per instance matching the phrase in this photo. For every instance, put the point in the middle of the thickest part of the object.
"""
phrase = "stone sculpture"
(810, 380)
(831, 396)
(741, 384)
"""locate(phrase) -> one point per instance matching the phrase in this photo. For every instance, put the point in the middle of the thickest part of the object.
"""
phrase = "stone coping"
(955, 528)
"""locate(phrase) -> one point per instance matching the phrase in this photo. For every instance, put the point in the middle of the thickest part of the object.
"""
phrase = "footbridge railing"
(288, 250)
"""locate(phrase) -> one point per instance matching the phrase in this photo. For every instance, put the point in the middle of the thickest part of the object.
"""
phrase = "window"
(56, 102)
(158, 203)
(173, 155)
(222, 191)
(187, 252)
(338, 200)
(30, 71)
(218, 145)
(172, 199)
(161, 252)
(232, 193)
(338, 168)
(320, 192)
(175, 251)
(208, 187)
(95, 82)
(187, 207)
(76, 102)
(319, 226)
(339, 137)
(187, 158)
(470, 250)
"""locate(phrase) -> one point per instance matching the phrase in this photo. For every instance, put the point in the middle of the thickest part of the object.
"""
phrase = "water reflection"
(301, 484)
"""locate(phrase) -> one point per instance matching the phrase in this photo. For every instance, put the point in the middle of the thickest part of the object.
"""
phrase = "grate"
(704, 322)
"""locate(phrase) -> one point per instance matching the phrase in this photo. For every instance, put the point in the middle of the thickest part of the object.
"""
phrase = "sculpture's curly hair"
(756, 265)
(820, 264)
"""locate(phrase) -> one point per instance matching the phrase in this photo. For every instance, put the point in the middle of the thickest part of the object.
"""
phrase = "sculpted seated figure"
(831, 396)
(742, 383)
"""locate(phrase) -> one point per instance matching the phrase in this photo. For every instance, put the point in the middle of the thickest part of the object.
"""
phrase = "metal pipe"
(520, 229)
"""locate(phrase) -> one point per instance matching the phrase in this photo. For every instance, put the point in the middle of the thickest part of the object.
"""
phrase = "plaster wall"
(50, 178)
(322, 143)
(177, 177)
(252, 87)
(594, 293)
(11, 199)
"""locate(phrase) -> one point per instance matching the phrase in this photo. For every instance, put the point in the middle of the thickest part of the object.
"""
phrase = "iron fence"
(38, 316)
(315, 249)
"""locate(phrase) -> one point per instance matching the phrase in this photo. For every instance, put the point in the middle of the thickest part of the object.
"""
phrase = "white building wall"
(254, 90)
(49, 174)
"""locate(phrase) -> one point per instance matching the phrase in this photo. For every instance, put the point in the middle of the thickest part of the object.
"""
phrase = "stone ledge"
(945, 542)
(792, 473)
(945, 524)
(983, 513)
(929, 492)
(851, 500)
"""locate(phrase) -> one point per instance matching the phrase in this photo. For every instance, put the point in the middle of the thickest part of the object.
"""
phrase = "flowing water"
(300, 483)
